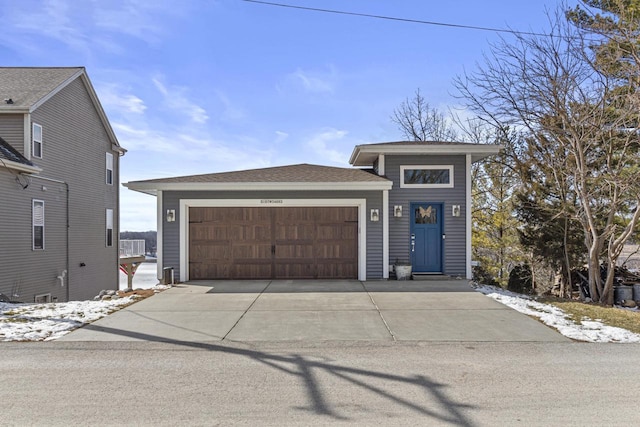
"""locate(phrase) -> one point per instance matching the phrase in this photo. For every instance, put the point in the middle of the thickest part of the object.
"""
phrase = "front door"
(426, 237)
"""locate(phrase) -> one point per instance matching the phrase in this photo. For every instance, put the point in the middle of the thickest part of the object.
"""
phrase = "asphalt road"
(179, 383)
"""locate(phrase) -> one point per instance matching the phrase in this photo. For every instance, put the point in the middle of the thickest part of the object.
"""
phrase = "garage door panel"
(257, 250)
(198, 270)
(250, 269)
(220, 250)
(287, 242)
(295, 270)
(336, 271)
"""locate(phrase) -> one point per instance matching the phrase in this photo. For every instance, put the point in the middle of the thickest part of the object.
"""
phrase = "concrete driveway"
(313, 310)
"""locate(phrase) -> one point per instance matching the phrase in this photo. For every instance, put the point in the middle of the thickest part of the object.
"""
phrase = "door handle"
(413, 245)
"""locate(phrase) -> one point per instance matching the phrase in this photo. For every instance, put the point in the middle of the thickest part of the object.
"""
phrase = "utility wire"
(391, 18)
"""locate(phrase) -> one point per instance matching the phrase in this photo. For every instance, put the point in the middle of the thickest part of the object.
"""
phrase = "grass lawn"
(627, 319)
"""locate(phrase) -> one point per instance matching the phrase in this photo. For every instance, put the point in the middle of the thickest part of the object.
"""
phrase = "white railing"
(131, 248)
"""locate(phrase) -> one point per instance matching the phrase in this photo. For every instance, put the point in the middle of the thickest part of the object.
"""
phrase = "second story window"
(109, 168)
(36, 135)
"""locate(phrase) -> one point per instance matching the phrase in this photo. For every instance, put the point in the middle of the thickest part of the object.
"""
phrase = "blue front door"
(426, 237)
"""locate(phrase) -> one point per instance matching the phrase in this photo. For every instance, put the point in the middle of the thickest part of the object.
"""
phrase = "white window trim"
(109, 167)
(448, 167)
(185, 204)
(33, 140)
(109, 226)
(33, 225)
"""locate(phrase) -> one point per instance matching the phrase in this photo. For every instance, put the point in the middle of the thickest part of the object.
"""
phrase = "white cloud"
(229, 112)
(327, 144)
(313, 82)
(114, 97)
(281, 137)
(86, 26)
(175, 98)
(51, 19)
(133, 18)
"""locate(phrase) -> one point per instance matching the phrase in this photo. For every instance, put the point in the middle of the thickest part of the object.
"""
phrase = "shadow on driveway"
(436, 404)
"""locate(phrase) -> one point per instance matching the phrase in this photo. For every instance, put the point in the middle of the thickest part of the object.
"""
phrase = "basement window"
(42, 298)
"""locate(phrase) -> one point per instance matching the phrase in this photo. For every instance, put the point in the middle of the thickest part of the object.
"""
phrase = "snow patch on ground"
(589, 330)
(44, 322)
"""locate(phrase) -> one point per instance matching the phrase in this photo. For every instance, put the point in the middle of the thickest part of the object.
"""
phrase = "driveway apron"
(315, 310)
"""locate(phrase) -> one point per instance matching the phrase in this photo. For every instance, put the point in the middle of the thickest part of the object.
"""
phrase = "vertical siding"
(171, 231)
(74, 147)
(12, 130)
(24, 272)
(454, 252)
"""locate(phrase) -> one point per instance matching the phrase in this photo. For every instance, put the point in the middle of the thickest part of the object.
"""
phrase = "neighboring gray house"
(59, 183)
(410, 202)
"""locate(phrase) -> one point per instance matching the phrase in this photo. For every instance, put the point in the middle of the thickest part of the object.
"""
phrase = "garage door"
(273, 243)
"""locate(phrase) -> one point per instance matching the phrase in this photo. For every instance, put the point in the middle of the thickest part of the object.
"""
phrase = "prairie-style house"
(402, 201)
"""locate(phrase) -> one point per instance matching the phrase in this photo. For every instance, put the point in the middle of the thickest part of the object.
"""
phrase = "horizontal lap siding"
(24, 272)
(171, 230)
(75, 144)
(454, 252)
(12, 130)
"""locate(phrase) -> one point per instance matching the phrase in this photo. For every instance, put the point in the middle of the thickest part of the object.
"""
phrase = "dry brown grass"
(627, 319)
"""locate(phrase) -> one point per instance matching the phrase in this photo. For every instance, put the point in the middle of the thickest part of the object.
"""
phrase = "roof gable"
(24, 89)
(27, 86)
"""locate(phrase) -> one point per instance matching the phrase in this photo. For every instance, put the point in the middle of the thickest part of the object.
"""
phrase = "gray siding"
(171, 231)
(12, 130)
(454, 227)
(74, 146)
(24, 272)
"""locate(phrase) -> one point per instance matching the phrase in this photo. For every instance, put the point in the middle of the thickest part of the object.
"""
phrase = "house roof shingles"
(280, 174)
(25, 86)
(301, 177)
(7, 152)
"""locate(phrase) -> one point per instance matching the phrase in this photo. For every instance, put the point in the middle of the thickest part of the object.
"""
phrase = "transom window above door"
(426, 176)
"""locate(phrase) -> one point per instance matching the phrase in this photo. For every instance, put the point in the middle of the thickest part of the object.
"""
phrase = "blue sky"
(195, 86)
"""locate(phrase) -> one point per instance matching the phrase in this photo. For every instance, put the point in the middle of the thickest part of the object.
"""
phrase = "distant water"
(145, 277)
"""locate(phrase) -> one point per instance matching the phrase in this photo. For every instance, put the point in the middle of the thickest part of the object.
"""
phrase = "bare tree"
(556, 89)
(418, 121)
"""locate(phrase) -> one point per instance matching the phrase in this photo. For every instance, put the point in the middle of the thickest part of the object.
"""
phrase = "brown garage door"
(273, 243)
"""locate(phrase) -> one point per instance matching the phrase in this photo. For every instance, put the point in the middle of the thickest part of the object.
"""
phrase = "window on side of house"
(36, 136)
(37, 221)
(426, 176)
(109, 168)
(109, 235)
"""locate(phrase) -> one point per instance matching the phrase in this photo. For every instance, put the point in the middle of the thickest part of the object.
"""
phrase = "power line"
(392, 18)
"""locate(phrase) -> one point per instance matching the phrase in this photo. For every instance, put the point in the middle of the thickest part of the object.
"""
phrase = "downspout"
(159, 234)
(468, 217)
(385, 234)
(67, 201)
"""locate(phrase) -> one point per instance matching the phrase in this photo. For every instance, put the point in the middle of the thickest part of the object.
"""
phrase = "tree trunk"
(566, 279)
(595, 280)
(607, 293)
